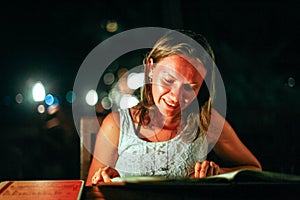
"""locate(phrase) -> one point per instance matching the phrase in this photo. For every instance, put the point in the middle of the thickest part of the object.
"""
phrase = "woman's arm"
(106, 149)
(228, 148)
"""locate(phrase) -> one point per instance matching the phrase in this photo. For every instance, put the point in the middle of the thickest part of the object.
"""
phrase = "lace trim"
(173, 158)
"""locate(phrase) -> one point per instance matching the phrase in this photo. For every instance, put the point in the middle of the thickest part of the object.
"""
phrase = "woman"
(173, 128)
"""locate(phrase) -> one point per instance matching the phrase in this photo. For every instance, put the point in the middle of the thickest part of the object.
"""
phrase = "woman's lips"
(171, 105)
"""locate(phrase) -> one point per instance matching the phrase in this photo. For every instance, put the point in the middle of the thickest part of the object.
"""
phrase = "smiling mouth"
(171, 105)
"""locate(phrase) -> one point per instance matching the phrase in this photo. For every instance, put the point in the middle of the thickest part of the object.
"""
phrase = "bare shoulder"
(110, 126)
(113, 118)
(220, 129)
(216, 126)
(215, 115)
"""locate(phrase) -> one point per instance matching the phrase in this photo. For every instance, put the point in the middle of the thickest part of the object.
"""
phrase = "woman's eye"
(169, 81)
(188, 87)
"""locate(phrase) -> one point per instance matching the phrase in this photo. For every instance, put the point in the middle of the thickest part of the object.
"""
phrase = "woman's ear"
(150, 65)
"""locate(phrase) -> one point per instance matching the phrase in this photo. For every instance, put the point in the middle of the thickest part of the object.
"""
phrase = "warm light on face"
(176, 83)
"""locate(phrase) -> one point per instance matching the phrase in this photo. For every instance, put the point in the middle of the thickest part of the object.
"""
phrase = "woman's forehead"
(180, 64)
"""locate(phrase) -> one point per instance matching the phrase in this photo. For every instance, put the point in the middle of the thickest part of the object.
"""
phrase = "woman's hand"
(104, 174)
(206, 168)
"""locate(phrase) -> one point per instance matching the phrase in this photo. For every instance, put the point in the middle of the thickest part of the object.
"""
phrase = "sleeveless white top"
(173, 158)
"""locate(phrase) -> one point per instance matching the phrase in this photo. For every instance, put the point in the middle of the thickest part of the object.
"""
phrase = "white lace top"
(173, 158)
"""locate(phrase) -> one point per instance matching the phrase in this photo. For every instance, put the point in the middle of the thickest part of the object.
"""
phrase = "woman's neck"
(156, 119)
(165, 122)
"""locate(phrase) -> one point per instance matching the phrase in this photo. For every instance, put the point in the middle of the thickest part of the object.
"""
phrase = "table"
(245, 190)
(245, 184)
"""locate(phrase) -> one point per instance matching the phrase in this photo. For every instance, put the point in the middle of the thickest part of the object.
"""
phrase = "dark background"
(257, 52)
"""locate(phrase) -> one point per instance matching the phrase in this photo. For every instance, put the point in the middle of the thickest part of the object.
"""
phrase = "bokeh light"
(121, 72)
(108, 78)
(49, 99)
(41, 109)
(111, 26)
(91, 97)
(70, 96)
(38, 92)
(135, 80)
(106, 103)
(291, 82)
(19, 98)
(53, 109)
(128, 101)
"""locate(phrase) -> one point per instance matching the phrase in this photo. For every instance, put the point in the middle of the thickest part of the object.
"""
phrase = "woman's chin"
(169, 113)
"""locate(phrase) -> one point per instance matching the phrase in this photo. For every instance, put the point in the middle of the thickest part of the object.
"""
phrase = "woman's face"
(176, 83)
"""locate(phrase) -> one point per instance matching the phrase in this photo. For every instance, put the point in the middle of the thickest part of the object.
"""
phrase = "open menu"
(234, 176)
(41, 189)
(239, 184)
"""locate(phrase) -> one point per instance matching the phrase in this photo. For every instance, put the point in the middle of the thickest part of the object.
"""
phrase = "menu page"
(41, 189)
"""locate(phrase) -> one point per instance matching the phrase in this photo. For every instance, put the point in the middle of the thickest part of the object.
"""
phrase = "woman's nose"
(176, 93)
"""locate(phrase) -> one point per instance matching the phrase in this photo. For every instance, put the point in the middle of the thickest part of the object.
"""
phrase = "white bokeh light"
(38, 92)
(128, 101)
(135, 80)
(41, 109)
(91, 97)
